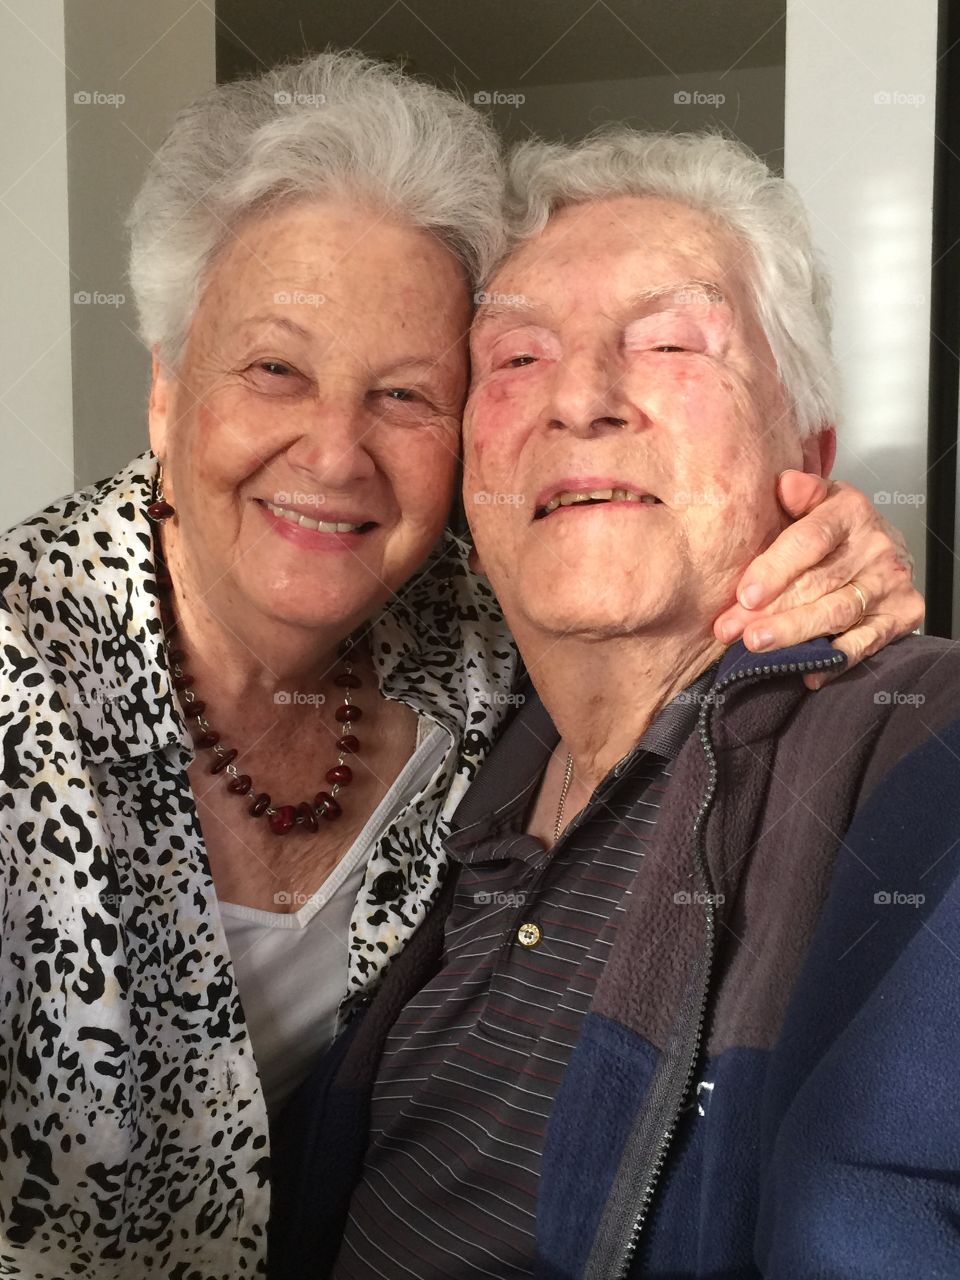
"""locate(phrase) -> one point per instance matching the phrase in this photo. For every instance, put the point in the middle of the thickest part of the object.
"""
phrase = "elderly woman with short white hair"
(248, 678)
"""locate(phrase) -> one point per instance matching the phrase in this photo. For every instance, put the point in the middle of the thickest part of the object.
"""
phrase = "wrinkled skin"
(687, 370)
(639, 364)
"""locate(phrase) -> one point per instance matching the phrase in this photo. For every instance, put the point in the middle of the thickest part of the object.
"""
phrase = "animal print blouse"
(133, 1131)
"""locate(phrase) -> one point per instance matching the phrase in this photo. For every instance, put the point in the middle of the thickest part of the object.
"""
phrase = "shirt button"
(529, 934)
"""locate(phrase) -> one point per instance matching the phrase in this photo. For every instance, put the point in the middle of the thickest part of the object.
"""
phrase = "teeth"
(323, 526)
(569, 498)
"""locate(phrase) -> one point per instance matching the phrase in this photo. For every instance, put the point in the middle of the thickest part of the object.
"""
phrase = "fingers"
(861, 642)
(875, 568)
(799, 492)
(829, 576)
(830, 615)
(838, 523)
(811, 567)
(824, 602)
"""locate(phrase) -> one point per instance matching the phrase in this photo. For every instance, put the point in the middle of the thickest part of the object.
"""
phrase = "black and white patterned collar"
(104, 640)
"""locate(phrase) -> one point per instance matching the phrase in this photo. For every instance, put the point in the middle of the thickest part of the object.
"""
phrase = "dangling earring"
(160, 509)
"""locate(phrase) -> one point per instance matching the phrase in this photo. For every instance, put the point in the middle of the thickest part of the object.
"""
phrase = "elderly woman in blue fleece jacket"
(629, 1039)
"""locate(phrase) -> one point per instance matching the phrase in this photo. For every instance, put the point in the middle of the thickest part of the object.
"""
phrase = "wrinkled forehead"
(625, 244)
(619, 258)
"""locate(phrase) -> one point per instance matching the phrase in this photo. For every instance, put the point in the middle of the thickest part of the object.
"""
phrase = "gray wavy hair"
(331, 125)
(724, 179)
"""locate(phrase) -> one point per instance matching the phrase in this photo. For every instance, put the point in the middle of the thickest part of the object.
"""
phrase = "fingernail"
(762, 639)
(751, 596)
(729, 630)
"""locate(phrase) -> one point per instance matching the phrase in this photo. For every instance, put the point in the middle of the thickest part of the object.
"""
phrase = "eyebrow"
(684, 292)
(283, 322)
(421, 364)
(278, 322)
(492, 312)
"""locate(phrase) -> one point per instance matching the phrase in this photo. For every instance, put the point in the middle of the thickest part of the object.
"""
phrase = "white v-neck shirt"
(291, 968)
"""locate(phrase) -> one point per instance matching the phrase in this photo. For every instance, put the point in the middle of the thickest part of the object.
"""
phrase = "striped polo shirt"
(473, 1063)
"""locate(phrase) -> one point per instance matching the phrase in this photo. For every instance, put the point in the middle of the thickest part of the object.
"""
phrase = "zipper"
(703, 727)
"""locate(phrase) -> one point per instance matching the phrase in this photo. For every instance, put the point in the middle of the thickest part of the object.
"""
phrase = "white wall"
(747, 101)
(146, 61)
(36, 425)
(73, 381)
(858, 141)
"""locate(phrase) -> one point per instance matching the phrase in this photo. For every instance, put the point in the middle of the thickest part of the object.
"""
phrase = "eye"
(666, 334)
(519, 362)
(277, 378)
(400, 393)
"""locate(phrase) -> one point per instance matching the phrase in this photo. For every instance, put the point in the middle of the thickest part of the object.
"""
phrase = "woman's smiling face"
(324, 377)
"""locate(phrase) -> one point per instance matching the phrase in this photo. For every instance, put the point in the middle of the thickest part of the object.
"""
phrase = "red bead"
(348, 745)
(348, 713)
(324, 803)
(182, 682)
(160, 510)
(222, 761)
(282, 819)
(341, 773)
(260, 805)
(196, 708)
(240, 785)
(347, 680)
(177, 656)
(209, 739)
(306, 816)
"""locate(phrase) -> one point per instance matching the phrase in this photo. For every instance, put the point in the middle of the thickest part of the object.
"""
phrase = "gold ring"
(863, 606)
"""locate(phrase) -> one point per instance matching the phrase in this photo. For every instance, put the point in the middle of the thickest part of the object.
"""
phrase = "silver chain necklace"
(567, 778)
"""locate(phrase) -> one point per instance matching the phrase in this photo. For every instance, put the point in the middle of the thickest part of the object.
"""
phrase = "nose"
(586, 396)
(334, 443)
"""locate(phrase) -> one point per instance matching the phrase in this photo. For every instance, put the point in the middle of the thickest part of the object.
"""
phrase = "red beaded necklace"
(282, 818)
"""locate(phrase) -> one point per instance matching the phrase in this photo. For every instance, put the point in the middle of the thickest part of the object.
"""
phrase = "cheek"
(691, 396)
(228, 443)
(494, 413)
(494, 526)
(713, 425)
(734, 513)
(422, 475)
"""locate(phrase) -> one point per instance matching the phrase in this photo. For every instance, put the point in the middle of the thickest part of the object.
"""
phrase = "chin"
(556, 612)
(315, 605)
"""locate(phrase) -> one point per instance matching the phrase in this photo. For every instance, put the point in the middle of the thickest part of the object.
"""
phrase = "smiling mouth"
(593, 497)
(322, 526)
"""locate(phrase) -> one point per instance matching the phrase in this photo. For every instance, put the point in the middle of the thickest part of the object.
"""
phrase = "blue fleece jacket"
(762, 1086)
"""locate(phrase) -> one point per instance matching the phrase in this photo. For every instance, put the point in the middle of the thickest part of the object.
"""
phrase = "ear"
(158, 413)
(820, 452)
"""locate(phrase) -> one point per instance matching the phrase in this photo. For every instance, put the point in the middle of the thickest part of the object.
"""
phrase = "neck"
(242, 657)
(602, 694)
